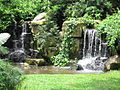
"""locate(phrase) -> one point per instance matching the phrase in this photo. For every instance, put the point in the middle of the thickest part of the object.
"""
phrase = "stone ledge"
(35, 61)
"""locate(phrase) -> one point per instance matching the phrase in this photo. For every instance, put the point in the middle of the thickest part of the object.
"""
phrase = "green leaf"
(4, 50)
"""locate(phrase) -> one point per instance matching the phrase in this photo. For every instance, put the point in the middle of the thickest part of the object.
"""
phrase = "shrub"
(10, 77)
(111, 27)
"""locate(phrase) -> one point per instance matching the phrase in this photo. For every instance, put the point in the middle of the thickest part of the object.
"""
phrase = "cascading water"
(21, 45)
(94, 51)
(25, 37)
(90, 43)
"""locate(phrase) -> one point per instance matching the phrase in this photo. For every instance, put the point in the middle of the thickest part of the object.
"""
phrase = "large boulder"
(38, 20)
(113, 63)
(40, 16)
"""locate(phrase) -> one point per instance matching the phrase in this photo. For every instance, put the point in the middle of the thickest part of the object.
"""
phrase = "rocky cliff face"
(77, 35)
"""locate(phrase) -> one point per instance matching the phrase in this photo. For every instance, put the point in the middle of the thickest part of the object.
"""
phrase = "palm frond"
(4, 37)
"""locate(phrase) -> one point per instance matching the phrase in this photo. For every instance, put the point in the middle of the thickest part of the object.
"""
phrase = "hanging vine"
(63, 57)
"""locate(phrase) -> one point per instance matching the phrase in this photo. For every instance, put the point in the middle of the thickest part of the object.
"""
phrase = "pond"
(32, 69)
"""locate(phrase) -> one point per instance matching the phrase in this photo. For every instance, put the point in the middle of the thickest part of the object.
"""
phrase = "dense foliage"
(111, 27)
(97, 9)
(10, 77)
(13, 11)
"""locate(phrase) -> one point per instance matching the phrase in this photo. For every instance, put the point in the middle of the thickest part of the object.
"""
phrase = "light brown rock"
(113, 63)
(35, 61)
(40, 16)
(38, 20)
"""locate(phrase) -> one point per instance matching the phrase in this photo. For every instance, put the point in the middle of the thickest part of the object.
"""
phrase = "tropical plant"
(10, 76)
(3, 38)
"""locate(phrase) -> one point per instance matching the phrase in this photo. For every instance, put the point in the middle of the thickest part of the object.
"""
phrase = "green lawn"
(107, 81)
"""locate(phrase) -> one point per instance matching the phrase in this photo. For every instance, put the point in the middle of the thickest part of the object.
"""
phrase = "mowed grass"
(106, 81)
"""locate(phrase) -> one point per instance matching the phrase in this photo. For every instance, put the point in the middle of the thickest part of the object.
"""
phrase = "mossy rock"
(78, 29)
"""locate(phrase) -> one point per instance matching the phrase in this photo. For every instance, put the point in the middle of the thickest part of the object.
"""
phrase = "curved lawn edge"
(106, 81)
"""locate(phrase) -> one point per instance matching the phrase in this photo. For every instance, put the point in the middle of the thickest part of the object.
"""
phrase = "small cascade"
(104, 50)
(94, 51)
(21, 45)
(25, 37)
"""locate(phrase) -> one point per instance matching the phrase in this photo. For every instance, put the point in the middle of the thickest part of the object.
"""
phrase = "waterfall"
(21, 45)
(94, 51)
(90, 43)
